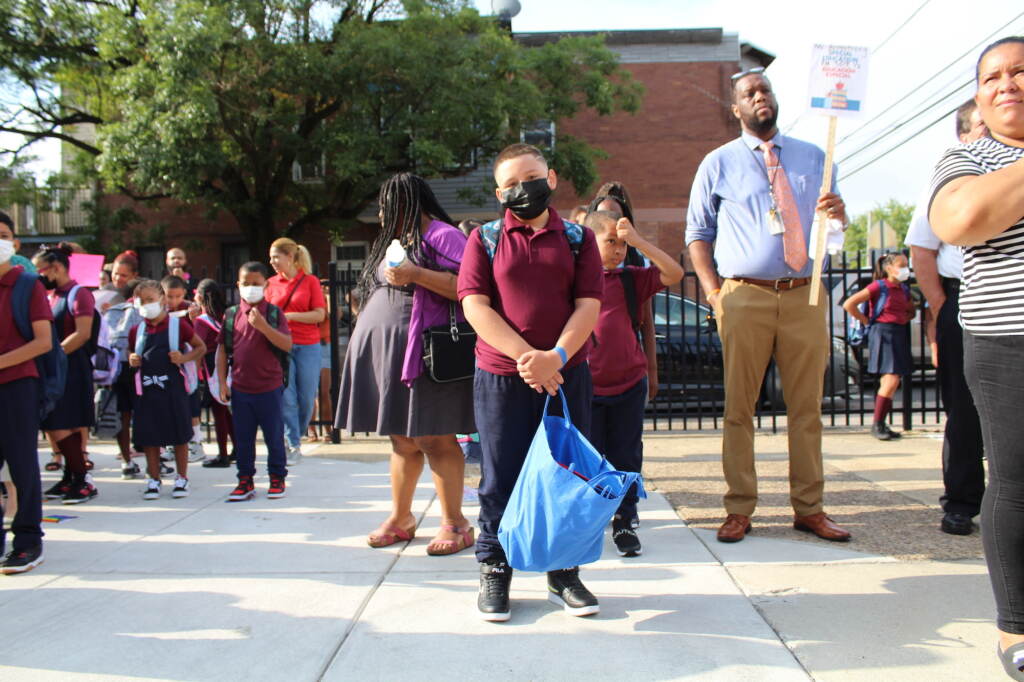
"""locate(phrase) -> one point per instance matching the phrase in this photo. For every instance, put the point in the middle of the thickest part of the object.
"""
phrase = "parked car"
(690, 369)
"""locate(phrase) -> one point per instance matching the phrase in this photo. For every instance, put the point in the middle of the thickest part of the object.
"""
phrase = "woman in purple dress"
(383, 386)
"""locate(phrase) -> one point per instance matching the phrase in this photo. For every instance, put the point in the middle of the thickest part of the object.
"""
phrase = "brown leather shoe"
(822, 526)
(734, 529)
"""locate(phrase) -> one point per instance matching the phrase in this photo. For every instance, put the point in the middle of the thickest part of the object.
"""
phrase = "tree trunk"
(259, 231)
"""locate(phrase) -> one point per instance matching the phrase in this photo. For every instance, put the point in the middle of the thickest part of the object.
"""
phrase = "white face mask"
(151, 311)
(251, 295)
(6, 251)
(903, 274)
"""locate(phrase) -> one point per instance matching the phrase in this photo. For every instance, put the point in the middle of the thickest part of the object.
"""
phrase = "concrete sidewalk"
(198, 589)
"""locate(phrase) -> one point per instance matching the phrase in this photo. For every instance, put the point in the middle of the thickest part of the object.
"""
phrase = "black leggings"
(994, 367)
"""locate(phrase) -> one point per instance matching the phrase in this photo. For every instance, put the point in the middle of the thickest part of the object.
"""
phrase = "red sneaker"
(245, 490)
(276, 487)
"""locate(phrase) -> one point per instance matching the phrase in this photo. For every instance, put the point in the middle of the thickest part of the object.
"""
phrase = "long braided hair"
(211, 297)
(403, 199)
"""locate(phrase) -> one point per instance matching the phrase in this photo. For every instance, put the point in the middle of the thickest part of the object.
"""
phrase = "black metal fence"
(691, 395)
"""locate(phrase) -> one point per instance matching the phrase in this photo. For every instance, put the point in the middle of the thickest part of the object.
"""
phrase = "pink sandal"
(446, 547)
(389, 536)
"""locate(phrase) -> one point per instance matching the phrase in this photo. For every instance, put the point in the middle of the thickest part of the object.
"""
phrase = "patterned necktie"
(794, 248)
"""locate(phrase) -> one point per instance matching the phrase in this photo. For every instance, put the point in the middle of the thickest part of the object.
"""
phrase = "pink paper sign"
(85, 269)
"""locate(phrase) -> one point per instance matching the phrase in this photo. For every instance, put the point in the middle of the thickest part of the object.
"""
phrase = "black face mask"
(47, 283)
(527, 200)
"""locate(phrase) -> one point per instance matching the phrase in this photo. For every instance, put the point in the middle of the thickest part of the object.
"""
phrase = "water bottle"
(395, 254)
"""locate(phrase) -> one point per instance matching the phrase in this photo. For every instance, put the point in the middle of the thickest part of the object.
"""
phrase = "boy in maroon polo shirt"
(19, 418)
(618, 363)
(533, 308)
(257, 380)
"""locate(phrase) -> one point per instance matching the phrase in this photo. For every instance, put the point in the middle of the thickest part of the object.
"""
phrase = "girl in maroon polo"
(162, 411)
(74, 410)
(19, 418)
(208, 324)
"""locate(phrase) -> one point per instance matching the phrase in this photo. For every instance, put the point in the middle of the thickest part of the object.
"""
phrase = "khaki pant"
(755, 323)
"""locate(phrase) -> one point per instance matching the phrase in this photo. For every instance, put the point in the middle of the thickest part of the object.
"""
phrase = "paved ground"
(198, 589)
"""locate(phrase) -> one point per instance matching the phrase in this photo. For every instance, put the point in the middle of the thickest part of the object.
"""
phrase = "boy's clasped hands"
(539, 369)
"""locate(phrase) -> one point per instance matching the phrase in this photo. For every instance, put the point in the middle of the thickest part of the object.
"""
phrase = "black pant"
(995, 373)
(508, 413)
(962, 470)
(617, 430)
(19, 424)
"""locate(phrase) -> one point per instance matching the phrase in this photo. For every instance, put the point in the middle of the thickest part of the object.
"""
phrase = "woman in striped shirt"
(978, 203)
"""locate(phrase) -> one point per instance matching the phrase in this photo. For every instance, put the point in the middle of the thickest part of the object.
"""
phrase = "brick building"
(655, 152)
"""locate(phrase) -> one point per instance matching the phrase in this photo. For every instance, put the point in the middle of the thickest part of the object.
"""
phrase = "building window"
(309, 168)
(350, 256)
(541, 134)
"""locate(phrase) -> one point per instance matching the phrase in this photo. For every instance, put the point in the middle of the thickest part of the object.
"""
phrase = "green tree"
(217, 102)
(893, 213)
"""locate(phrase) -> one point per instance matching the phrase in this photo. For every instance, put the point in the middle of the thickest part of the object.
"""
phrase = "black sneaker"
(956, 523)
(879, 431)
(218, 462)
(492, 601)
(129, 471)
(627, 542)
(22, 561)
(892, 434)
(164, 469)
(634, 522)
(245, 490)
(81, 490)
(566, 590)
(59, 489)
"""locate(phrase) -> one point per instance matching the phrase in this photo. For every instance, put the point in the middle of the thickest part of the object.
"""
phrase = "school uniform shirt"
(308, 296)
(898, 306)
(83, 306)
(254, 367)
(533, 285)
(209, 335)
(10, 339)
(618, 361)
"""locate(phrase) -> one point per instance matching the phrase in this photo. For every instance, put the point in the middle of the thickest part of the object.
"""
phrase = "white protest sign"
(839, 80)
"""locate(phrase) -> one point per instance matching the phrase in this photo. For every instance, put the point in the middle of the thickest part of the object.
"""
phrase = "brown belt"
(777, 284)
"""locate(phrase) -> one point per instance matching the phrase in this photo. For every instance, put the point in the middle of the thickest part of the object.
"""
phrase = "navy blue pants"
(617, 430)
(19, 424)
(259, 410)
(508, 413)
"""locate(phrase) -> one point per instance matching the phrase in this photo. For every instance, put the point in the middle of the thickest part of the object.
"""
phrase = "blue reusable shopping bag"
(565, 496)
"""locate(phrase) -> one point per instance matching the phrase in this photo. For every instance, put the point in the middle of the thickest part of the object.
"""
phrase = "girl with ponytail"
(298, 294)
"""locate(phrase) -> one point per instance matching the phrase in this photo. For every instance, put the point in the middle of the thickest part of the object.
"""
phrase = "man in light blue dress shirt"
(735, 238)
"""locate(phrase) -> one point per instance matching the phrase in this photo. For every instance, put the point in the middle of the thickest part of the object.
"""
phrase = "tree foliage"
(893, 213)
(219, 101)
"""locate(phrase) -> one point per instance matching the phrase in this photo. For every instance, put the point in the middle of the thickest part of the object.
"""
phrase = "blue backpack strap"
(883, 297)
(21, 299)
(140, 338)
(490, 233)
(574, 233)
(174, 333)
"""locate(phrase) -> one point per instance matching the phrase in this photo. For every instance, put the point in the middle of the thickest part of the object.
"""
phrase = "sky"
(916, 73)
(899, 89)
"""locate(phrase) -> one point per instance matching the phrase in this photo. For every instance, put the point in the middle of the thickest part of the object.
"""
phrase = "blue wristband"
(562, 354)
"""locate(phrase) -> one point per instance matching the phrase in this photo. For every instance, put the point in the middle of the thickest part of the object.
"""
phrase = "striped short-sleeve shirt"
(992, 290)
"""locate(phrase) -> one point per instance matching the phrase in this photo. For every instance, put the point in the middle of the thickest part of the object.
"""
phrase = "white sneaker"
(152, 491)
(181, 487)
(195, 451)
(294, 455)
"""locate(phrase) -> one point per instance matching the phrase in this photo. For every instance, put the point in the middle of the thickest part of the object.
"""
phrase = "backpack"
(211, 378)
(108, 419)
(105, 366)
(51, 365)
(273, 319)
(490, 234)
(857, 333)
(188, 370)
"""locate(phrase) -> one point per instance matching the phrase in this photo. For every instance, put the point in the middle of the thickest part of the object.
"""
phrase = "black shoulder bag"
(448, 350)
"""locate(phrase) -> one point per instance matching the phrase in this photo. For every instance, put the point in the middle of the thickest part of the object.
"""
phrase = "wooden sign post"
(822, 234)
(839, 76)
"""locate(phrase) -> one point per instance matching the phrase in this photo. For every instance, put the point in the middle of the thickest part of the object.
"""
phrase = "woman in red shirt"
(297, 293)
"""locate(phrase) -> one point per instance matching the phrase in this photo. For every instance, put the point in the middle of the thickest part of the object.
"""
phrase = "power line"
(899, 144)
(896, 127)
(900, 27)
(938, 73)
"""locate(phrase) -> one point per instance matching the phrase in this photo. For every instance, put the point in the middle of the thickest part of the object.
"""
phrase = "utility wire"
(888, 151)
(938, 73)
(889, 131)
